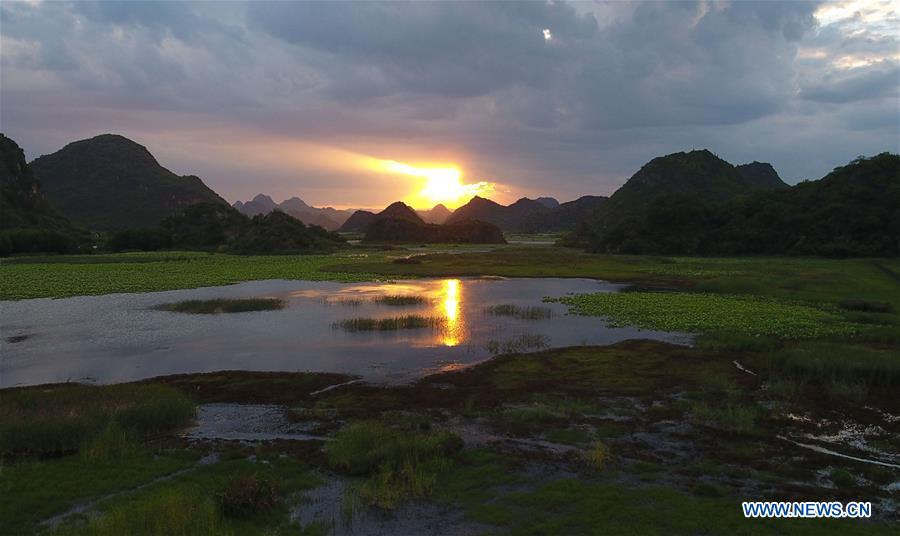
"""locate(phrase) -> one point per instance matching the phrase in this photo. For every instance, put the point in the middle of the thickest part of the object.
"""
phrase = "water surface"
(121, 337)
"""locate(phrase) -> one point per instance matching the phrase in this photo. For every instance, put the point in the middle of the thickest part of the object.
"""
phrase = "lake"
(122, 337)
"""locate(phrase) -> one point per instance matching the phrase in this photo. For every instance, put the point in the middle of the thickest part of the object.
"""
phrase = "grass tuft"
(396, 463)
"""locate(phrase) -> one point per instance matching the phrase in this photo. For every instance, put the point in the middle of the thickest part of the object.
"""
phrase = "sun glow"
(441, 184)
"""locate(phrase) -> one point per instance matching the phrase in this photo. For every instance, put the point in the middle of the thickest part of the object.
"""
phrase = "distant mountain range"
(400, 223)
(109, 183)
(327, 217)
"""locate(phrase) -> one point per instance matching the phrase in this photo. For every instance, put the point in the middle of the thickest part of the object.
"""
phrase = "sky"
(360, 104)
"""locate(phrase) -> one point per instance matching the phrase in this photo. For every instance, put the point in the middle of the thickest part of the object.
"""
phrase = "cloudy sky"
(538, 98)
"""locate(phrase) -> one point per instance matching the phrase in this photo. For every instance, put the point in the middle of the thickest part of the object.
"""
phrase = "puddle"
(248, 423)
(122, 337)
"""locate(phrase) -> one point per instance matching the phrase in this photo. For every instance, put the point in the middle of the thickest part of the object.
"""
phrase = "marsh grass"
(224, 305)
(70, 417)
(402, 300)
(730, 416)
(519, 344)
(395, 463)
(389, 324)
(834, 362)
(515, 311)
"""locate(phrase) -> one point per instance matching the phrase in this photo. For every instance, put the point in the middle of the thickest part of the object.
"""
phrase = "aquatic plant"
(519, 344)
(401, 300)
(515, 311)
(389, 324)
(224, 305)
(85, 275)
(699, 313)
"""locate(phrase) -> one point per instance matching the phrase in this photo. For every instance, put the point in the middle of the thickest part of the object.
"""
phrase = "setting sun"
(441, 184)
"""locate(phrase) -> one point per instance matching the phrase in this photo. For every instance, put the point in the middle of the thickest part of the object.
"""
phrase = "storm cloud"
(266, 97)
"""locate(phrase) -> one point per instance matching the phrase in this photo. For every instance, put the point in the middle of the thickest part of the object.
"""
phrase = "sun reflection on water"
(453, 333)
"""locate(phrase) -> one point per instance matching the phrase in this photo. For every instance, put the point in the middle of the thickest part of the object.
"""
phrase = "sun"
(441, 184)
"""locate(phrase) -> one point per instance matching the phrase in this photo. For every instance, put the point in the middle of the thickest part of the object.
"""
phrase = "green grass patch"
(396, 463)
(69, 417)
(701, 313)
(394, 323)
(224, 305)
(31, 491)
(233, 496)
(166, 512)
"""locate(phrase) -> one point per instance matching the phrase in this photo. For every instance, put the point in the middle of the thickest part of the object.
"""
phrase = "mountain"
(110, 182)
(22, 200)
(399, 210)
(697, 173)
(261, 204)
(564, 217)
(762, 175)
(28, 222)
(437, 214)
(358, 222)
(508, 218)
(852, 211)
(328, 218)
(548, 202)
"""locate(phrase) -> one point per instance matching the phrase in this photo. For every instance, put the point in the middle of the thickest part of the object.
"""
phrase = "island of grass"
(223, 305)
(389, 324)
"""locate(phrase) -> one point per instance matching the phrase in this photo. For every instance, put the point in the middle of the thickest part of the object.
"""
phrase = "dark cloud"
(618, 84)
